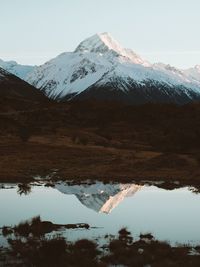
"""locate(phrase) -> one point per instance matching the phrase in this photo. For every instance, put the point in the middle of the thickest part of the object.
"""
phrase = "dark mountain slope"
(18, 94)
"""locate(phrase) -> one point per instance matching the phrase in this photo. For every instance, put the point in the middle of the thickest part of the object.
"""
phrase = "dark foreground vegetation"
(37, 228)
(36, 249)
(97, 140)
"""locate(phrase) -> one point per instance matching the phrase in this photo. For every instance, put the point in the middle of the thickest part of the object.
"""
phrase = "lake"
(171, 215)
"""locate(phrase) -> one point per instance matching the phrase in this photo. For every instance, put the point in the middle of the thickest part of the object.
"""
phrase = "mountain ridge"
(19, 70)
(100, 68)
(15, 93)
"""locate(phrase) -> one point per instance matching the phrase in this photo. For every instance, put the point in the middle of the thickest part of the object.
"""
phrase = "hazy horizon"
(33, 32)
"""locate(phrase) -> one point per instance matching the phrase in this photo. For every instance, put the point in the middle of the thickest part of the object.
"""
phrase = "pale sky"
(34, 31)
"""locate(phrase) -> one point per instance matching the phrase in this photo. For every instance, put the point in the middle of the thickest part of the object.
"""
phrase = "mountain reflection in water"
(99, 197)
(165, 210)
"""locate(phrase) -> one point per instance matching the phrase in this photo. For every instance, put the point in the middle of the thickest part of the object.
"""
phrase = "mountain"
(193, 72)
(99, 197)
(16, 93)
(13, 67)
(100, 68)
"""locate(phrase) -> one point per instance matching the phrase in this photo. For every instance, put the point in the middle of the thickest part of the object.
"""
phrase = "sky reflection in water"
(169, 215)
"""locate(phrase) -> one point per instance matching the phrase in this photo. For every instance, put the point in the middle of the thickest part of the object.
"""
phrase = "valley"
(96, 140)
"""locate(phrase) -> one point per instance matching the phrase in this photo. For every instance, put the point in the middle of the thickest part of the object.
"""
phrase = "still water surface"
(172, 215)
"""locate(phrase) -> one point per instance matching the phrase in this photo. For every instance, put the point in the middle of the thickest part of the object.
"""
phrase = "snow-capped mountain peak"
(104, 44)
(100, 68)
(99, 43)
(194, 73)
